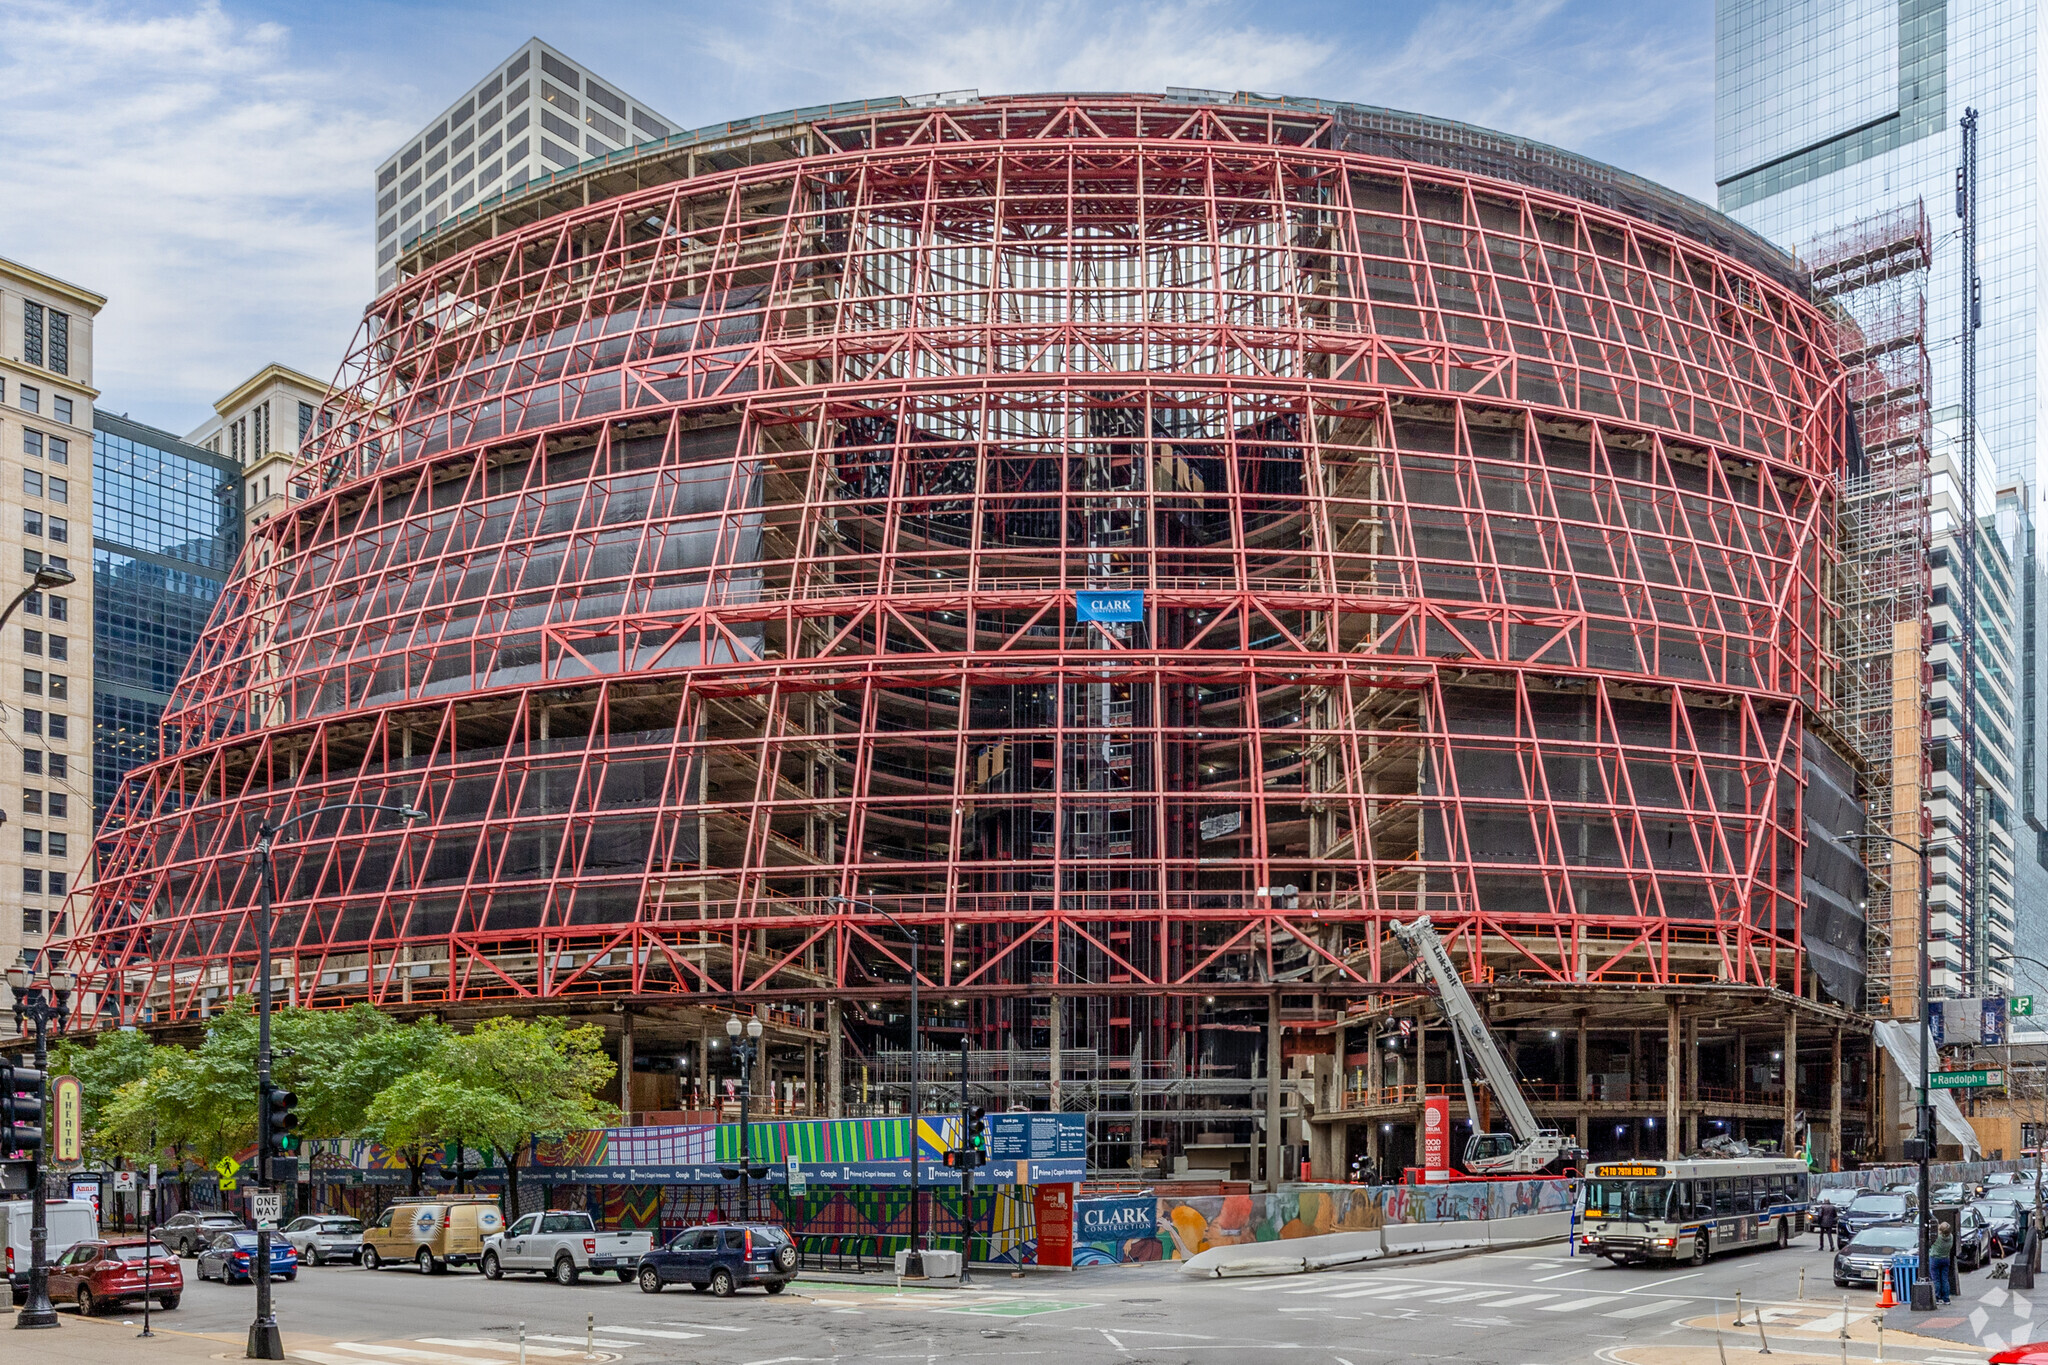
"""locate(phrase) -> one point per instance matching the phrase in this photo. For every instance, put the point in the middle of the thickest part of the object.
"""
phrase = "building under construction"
(1109, 556)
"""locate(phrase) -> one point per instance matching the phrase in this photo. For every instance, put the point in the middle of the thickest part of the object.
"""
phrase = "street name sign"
(1966, 1080)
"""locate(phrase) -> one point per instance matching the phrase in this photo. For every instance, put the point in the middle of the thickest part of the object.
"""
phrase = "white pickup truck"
(563, 1245)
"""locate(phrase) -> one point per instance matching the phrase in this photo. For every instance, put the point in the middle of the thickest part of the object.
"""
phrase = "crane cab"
(1484, 1149)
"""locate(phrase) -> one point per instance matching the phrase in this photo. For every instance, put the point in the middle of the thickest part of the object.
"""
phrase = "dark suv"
(722, 1258)
(1872, 1207)
(193, 1231)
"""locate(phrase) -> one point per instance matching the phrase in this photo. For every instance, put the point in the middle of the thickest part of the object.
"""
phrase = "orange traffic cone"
(1884, 1291)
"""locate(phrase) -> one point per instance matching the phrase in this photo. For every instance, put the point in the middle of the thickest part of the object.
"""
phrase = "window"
(60, 609)
(31, 522)
(31, 398)
(32, 444)
(31, 915)
(32, 603)
(60, 726)
(31, 483)
(1724, 1197)
(60, 806)
(32, 642)
(59, 842)
(60, 450)
(32, 762)
(32, 681)
(59, 765)
(31, 801)
(32, 882)
(55, 881)
(60, 687)
(60, 530)
(32, 332)
(305, 421)
(32, 841)
(1745, 1194)
(31, 721)
(60, 647)
(60, 489)
(60, 342)
(62, 408)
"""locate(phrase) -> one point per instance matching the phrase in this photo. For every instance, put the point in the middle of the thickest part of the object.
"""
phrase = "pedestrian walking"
(1827, 1220)
(1943, 1254)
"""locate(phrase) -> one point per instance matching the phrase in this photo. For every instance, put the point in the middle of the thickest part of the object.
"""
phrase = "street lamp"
(41, 1004)
(1923, 1119)
(45, 578)
(266, 1342)
(745, 1052)
(913, 1264)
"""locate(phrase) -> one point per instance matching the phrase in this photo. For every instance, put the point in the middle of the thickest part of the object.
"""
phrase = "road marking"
(1330, 1288)
(544, 1352)
(408, 1353)
(1644, 1310)
(1662, 1281)
(1272, 1282)
(1373, 1291)
(1526, 1298)
(1570, 1305)
(1546, 1279)
(700, 1326)
(329, 1358)
(578, 1341)
(653, 1332)
(1476, 1294)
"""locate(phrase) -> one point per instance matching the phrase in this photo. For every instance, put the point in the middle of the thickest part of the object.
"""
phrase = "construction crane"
(1530, 1147)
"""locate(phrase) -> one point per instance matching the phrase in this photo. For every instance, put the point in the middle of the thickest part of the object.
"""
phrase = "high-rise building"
(1842, 113)
(46, 653)
(535, 114)
(259, 427)
(166, 527)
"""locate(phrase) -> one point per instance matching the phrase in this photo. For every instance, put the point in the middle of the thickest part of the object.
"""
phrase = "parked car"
(1841, 1196)
(723, 1258)
(67, 1223)
(1973, 1238)
(323, 1237)
(432, 1233)
(1871, 1207)
(1867, 1257)
(103, 1274)
(191, 1232)
(232, 1256)
(564, 1245)
(2008, 1220)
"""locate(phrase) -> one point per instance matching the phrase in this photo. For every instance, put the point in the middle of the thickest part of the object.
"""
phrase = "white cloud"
(201, 174)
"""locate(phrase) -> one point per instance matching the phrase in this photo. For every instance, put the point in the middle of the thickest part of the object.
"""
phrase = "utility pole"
(744, 1049)
(40, 1004)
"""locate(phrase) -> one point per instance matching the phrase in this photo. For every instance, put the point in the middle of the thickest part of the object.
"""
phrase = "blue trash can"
(1905, 1270)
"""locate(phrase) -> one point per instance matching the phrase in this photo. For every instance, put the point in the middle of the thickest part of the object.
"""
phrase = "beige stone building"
(46, 667)
(261, 424)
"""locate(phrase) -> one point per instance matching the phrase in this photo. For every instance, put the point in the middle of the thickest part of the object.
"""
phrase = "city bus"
(1689, 1210)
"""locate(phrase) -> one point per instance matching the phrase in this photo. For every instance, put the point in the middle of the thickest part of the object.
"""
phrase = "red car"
(2035, 1353)
(110, 1271)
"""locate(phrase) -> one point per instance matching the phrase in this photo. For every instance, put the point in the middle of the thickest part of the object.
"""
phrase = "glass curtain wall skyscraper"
(167, 524)
(1833, 113)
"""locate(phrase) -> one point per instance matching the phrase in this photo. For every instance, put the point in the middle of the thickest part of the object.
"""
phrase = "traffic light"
(21, 1109)
(279, 1118)
(977, 1136)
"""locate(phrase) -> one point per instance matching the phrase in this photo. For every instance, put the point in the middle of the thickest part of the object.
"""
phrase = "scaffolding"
(1873, 276)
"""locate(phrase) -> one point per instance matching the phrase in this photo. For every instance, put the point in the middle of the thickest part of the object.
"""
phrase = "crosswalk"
(1347, 1290)
(536, 1348)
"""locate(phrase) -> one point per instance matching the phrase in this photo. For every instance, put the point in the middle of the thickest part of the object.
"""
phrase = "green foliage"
(104, 1065)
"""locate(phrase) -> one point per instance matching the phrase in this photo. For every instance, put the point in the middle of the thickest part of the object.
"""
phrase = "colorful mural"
(1188, 1226)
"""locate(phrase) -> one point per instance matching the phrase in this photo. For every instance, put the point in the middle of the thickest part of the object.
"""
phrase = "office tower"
(1834, 123)
(166, 527)
(46, 652)
(259, 427)
(536, 114)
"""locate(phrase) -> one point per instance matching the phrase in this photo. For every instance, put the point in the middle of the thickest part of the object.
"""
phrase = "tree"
(105, 1063)
(505, 1084)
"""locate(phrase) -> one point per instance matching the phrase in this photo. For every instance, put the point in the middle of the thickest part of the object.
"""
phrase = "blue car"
(722, 1258)
(231, 1259)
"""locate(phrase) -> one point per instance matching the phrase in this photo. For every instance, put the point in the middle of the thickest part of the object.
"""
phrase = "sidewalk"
(112, 1340)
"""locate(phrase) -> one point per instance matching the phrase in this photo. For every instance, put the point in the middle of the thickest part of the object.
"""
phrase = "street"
(1521, 1307)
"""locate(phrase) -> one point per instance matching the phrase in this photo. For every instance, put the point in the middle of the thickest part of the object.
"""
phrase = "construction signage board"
(1973, 1020)
(1967, 1080)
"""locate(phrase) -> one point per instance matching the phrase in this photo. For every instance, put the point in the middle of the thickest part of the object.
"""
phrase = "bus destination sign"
(1613, 1171)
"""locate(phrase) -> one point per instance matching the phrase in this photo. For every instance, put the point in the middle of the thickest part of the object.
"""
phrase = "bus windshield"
(1641, 1200)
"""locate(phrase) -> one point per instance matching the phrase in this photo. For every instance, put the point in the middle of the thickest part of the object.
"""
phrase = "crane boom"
(1535, 1146)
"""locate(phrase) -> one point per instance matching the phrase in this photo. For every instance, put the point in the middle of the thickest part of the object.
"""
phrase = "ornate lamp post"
(39, 1003)
(913, 1265)
(745, 1052)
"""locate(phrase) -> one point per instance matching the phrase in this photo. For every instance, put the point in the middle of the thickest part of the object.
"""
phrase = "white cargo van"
(70, 1221)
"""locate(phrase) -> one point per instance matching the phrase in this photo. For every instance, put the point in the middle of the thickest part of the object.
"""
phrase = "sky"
(207, 165)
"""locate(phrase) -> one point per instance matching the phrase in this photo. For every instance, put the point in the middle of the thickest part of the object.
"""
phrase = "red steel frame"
(708, 552)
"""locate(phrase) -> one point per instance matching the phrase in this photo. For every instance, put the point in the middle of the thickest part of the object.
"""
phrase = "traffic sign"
(124, 1182)
(1967, 1080)
(228, 1169)
(268, 1206)
(2021, 1007)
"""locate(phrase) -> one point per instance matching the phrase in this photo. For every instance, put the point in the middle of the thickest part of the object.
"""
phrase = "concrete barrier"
(1408, 1238)
(1291, 1257)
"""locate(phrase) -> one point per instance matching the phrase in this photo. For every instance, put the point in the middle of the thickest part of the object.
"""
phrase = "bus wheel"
(1699, 1249)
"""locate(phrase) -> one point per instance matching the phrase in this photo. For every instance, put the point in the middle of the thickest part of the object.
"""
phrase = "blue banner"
(1125, 605)
(1050, 1171)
